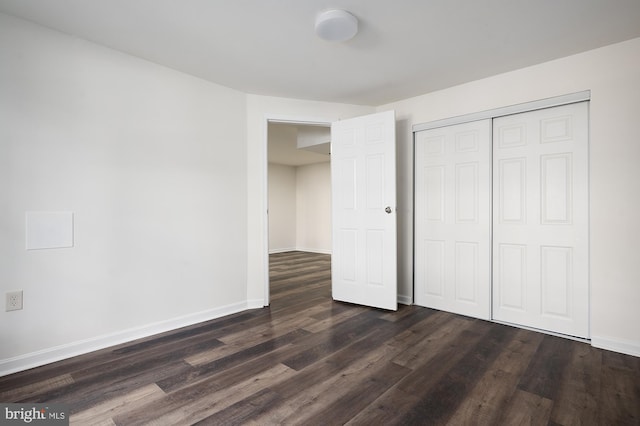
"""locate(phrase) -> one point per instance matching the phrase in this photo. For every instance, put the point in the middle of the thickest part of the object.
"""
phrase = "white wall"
(170, 202)
(313, 212)
(153, 164)
(259, 109)
(300, 208)
(613, 75)
(282, 208)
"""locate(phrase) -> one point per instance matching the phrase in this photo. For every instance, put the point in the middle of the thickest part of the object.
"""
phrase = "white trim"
(307, 250)
(265, 205)
(282, 250)
(276, 118)
(403, 299)
(508, 110)
(289, 119)
(617, 345)
(57, 353)
(314, 250)
(255, 304)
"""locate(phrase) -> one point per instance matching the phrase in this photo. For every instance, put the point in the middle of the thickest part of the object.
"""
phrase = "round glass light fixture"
(336, 25)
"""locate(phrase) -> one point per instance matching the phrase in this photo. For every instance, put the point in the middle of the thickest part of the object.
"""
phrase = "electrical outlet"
(14, 300)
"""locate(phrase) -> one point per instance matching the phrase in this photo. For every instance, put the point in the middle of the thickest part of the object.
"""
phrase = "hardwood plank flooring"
(307, 360)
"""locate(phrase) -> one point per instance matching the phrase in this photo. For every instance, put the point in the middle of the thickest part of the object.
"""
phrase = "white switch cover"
(48, 230)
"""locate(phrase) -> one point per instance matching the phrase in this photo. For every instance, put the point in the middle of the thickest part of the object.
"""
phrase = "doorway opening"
(363, 209)
(298, 190)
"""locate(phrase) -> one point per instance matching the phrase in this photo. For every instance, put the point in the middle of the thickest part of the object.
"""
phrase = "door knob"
(387, 209)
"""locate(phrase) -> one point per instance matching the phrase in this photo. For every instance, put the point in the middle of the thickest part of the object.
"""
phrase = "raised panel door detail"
(453, 219)
(557, 280)
(374, 133)
(348, 137)
(346, 171)
(434, 267)
(512, 191)
(556, 129)
(467, 142)
(556, 189)
(512, 278)
(375, 252)
(375, 178)
(512, 136)
(466, 268)
(349, 246)
(434, 192)
(434, 146)
(467, 192)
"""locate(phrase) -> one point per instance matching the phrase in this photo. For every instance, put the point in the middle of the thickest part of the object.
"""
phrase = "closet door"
(453, 219)
(540, 219)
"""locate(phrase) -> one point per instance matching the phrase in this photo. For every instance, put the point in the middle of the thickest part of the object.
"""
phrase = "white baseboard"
(255, 304)
(617, 345)
(57, 353)
(314, 250)
(403, 299)
(309, 250)
(282, 250)
(49, 355)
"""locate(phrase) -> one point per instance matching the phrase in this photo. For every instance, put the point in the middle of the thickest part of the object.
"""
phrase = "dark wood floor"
(308, 360)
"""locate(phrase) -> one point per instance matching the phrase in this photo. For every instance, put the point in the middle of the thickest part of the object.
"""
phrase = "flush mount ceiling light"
(336, 25)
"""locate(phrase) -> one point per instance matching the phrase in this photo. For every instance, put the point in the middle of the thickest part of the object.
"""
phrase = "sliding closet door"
(540, 219)
(453, 218)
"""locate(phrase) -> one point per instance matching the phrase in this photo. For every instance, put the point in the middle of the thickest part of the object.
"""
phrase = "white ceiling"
(404, 47)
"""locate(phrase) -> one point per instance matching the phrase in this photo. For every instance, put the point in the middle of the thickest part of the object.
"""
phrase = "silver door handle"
(387, 209)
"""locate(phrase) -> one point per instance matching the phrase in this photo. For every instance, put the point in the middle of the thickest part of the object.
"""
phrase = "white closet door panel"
(540, 229)
(453, 219)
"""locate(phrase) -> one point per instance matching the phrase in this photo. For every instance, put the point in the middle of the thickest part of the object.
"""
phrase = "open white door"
(363, 174)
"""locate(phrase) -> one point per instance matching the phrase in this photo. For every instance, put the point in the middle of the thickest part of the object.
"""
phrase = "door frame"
(283, 119)
(571, 98)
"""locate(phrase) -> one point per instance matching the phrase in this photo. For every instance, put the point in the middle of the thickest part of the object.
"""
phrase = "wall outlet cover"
(14, 301)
